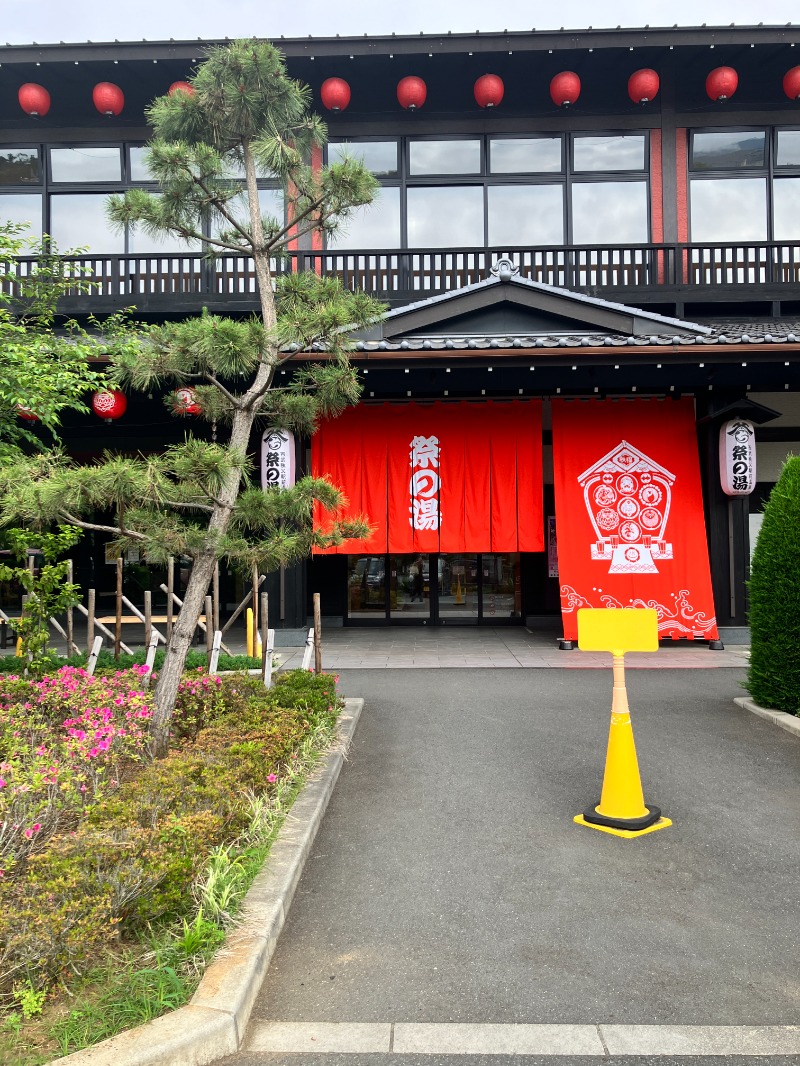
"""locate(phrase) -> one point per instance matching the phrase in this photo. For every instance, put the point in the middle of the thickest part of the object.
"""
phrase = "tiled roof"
(723, 332)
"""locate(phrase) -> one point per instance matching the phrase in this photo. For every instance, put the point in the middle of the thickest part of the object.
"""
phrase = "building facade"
(590, 245)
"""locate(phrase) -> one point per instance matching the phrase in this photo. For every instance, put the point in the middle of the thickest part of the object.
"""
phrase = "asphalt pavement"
(449, 887)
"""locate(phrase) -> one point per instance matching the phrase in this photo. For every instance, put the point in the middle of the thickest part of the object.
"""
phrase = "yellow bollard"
(18, 652)
(253, 639)
(621, 810)
(459, 594)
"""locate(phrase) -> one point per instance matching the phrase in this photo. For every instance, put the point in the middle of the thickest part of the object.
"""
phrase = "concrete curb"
(213, 1024)
(790, 722)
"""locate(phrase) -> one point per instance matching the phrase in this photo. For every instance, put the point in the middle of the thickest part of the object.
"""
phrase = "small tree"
(44, 365)
(244, 114)
(774, 676)
(47, 592)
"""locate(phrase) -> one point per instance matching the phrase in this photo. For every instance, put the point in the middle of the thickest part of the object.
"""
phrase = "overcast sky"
(47, 21)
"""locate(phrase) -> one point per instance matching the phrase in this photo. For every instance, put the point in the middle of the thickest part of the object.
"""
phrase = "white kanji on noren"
(424, 511)
(424, 452)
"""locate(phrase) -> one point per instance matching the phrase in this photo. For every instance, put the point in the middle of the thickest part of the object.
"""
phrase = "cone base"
(662, 823)
(651, 815)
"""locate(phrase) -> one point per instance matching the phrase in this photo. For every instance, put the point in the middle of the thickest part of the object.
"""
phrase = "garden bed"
(120, 873)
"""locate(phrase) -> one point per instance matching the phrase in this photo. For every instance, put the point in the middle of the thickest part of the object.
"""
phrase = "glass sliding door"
(366, 587)
(410, 594)
(458, 587)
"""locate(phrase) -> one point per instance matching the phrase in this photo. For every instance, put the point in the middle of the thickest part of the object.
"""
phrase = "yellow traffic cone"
(459, 594)
(622, 810)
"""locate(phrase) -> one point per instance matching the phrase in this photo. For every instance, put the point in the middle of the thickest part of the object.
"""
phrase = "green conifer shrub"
(774, 676)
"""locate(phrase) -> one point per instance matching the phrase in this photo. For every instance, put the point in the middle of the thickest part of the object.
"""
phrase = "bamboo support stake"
(212, 666)
(91, 662)
(90, 622)
(170, 590)
(215, 593)
(209, 630)
(135, 610)
(148, 617)
(118, 605)
(317, 636)
(256, 586)
(104, 629)
(265, 652)
(70, 619)
(202, 625)
(241, 606)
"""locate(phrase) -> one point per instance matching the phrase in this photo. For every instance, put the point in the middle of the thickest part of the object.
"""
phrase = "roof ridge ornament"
(504, 269)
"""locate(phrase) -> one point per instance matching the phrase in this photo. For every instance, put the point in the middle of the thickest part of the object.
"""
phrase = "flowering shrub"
(64, 741)
(97, 838)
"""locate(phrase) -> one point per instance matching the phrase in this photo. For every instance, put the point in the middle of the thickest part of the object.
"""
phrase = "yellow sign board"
(618, 631)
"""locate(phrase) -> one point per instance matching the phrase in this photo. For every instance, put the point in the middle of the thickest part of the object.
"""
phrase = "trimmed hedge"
(774, 676)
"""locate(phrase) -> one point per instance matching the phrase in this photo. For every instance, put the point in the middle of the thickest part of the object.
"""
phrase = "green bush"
(129, 857)
(774, 676)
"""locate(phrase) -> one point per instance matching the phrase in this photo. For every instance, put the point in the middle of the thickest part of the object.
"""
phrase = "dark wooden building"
(588, 243)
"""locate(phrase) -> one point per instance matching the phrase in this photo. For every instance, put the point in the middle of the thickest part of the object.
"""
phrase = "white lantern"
(737, 457)
(277, 459)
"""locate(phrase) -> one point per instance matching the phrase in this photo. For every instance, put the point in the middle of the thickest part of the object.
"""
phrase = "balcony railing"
(690, 268)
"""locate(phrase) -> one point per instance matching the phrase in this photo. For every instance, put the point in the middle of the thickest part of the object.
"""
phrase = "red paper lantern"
(722, 83)
(27, 413)
(108, 98)
(643, 86)
(34, 99)
(186, 401)
(335, 93)
(565, 88)
(489, 90)
(181, 87)
(791, 83)
(411, 92)
(109, 404)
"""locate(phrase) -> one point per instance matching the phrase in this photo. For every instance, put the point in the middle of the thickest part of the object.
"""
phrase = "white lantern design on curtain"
(628, 496)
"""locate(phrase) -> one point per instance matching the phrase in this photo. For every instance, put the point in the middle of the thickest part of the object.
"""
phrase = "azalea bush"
(99, 840)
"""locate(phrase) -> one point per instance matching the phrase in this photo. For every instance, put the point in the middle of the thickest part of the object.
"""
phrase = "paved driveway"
(448, 883)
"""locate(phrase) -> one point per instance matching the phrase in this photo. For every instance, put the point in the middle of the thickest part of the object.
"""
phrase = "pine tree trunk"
(169, 676)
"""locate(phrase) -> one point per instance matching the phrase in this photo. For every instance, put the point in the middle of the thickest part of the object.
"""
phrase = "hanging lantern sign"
(277, 459)
(488, 90)
(737, 457)
(335, 93)
(643, 85)
(722, 83)
(109, 404)
(34, 99)
(791, 83)
(108, 98)
(411, 92)
(186, 401)
(26, 413)
(181, 87)
(565, 88)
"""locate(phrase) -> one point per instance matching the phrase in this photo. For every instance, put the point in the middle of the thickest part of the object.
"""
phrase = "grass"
(106, 661)
(161, 971)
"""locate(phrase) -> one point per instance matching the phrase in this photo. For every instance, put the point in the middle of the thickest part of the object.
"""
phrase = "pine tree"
(774, 676)
(243, 115)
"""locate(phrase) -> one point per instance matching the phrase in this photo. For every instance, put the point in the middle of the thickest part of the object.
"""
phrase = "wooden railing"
(422, 272)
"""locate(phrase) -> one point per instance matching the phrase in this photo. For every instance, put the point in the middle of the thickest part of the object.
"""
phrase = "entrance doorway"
(472, 588)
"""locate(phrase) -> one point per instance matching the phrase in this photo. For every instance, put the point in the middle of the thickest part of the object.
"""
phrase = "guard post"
(621, 810)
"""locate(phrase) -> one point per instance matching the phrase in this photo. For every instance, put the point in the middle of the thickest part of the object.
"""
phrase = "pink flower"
(272, 778)
(2, 782)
